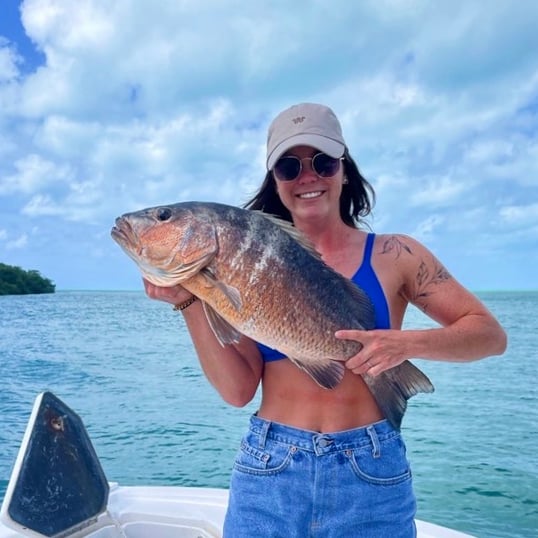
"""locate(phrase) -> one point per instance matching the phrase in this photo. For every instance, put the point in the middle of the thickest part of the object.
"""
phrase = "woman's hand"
(174, 295)
(381, 350)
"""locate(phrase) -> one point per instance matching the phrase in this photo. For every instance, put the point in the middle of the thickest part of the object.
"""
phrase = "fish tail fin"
(392, 388)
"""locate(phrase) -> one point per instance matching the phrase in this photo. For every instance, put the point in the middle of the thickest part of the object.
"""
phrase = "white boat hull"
(177, 512)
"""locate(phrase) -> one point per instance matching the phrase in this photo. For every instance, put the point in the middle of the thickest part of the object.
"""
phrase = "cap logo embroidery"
(299, 119)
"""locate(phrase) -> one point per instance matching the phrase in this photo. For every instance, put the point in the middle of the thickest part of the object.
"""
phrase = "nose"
(307, 174)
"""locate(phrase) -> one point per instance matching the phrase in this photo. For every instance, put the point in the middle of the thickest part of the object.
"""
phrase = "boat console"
(58, 489)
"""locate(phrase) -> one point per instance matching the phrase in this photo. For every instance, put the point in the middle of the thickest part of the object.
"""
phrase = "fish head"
(170, 244)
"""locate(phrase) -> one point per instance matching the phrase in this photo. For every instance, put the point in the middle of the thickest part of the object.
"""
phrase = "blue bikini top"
(367, 280)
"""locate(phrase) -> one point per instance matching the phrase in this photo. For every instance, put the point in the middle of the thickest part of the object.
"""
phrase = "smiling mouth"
(307, 195)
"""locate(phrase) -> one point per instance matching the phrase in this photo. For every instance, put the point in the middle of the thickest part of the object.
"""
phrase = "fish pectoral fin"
(231, 293)
(224, 332)
(326, 374)
(392, 388)
(188, 270)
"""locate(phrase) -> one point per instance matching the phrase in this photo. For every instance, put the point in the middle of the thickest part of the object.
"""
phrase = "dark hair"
(356, 201)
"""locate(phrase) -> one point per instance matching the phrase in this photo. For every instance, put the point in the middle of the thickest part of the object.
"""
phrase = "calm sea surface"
(125, 364)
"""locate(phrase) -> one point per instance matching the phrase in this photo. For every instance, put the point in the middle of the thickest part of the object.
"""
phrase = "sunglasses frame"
(300, 171)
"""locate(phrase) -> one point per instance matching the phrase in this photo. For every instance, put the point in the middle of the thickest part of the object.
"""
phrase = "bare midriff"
(291, 397)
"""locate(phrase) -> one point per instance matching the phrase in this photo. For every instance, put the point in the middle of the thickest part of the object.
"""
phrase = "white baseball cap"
(305, 124)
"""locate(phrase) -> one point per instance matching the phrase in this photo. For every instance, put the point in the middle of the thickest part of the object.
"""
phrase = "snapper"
(257, 275)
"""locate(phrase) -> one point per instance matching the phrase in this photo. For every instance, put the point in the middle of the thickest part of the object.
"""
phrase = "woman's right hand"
(174, 295)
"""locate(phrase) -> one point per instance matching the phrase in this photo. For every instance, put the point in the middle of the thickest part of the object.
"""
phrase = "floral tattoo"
(427, 276)
(393, 243)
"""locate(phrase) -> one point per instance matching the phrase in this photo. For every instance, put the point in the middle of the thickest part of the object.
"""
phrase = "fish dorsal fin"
(224, 332)
(363, 304)
(231, 293)
(326, 374)
(291, 230)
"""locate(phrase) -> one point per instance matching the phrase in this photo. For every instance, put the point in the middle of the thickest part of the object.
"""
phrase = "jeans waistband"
(370, 435)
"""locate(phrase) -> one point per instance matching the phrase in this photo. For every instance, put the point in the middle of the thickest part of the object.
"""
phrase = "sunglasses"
(290, 167)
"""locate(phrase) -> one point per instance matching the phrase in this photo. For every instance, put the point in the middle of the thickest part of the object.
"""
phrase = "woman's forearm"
(233, 369)
(471, 338)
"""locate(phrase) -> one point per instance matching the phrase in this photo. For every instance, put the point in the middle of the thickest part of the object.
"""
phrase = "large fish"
(258, 276)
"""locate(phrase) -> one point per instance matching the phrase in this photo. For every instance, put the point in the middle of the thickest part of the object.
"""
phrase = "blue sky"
(108, 107)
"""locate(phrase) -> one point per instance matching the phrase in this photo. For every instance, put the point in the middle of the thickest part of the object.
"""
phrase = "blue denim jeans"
(293, 483)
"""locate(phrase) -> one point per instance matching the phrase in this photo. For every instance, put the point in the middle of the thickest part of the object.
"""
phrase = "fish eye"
(164, 213)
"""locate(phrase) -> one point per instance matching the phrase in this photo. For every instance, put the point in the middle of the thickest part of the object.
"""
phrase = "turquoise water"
(126, 365)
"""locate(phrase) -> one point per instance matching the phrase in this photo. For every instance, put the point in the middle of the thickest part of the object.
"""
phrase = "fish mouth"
(127, 238)
(122, 232)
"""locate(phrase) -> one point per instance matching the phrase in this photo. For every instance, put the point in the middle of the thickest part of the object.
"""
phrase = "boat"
(58, 489)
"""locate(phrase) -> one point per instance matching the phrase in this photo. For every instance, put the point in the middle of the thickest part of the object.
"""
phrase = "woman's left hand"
(381, 350)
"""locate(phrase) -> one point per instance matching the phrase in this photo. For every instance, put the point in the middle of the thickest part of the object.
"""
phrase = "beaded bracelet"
(185, 304)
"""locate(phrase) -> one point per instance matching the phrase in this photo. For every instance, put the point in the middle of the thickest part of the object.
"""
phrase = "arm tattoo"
(393, 243)
(426, 277)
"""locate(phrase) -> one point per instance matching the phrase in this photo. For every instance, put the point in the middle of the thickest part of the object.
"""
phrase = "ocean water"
(125, 364)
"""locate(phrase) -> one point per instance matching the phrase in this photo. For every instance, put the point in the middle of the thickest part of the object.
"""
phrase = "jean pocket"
(273, 459)
(389, 467)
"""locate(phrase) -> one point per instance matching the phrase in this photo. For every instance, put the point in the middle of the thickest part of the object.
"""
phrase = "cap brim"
(331, 147)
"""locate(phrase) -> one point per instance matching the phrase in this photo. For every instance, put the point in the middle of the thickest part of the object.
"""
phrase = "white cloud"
(18, 243)
(143, 103)
(34, 173)
(439, 192)
(427, 227)
(522, 215)
(9, 61)
(484, 152)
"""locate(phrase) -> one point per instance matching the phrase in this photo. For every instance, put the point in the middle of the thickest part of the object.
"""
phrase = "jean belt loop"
(263, 433)
(376, 448)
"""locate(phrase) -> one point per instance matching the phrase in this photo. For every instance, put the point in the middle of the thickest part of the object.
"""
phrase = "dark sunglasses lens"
(324, 165)
(287, 168)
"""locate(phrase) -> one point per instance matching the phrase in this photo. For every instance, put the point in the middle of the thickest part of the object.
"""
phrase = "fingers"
(349, 334)
(363, 362)
(360, 366)
(173, 295)
(381, 350)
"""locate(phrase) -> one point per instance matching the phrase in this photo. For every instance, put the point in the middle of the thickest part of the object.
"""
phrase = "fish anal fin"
(327, 374)
(224, 332)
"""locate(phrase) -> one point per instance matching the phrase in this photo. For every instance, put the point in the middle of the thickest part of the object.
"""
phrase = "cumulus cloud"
(34, 173)
(17, 243)
(9, 61)
(440, 192)
(138, 103)
(522, 215)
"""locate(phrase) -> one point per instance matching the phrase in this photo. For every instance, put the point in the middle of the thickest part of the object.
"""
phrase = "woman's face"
(310, 196)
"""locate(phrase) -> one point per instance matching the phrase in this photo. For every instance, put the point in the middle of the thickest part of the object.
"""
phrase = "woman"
(319, 462)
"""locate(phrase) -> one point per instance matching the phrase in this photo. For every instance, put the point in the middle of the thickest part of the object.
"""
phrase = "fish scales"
(256, 275)
(292, 293)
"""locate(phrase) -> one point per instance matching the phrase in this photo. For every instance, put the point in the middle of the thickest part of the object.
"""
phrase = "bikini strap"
(368, 248)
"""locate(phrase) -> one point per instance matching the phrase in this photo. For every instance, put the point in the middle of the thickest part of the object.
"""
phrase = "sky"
(109, 107)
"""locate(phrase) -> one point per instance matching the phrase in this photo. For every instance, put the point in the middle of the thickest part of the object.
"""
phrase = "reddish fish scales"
(256, 275)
